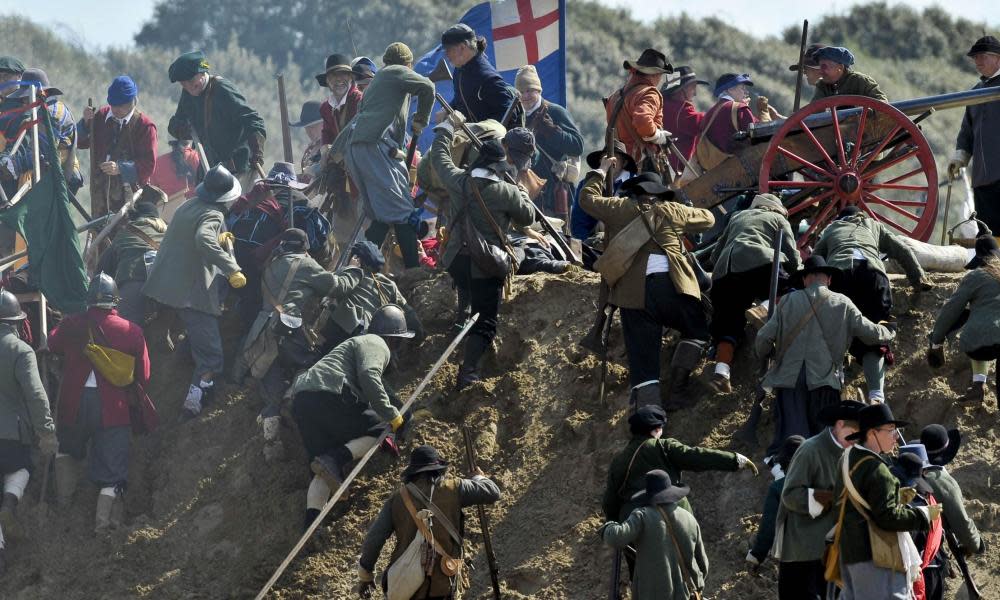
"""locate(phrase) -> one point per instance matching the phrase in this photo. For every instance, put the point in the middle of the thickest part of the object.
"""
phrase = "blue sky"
(100, 23)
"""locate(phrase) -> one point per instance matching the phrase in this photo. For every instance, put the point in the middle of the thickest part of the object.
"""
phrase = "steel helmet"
(103, 292)
(10, 308)
(390, 321)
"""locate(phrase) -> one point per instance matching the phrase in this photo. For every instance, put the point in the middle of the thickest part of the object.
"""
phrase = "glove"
(396, 423)
(743, 462)
(907, 494)
(457, 119)
(659, 138)
(935, 356)
(227, 237)
(934, 512)
(547, 123)
(48, 443)
(237, 280)
(958, 161)
(389, 445)
(824, 497)
(366, 583)
(890, 325)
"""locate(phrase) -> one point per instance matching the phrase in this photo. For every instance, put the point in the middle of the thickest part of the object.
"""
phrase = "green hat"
(397, 53)
(188, 65)
(11, 64)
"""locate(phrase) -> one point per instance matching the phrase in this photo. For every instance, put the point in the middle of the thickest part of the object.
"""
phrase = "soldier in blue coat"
(480, 92)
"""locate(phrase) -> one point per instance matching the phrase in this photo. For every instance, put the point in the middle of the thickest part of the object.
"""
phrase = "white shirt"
(657, 263)
(91, 381)
(334, 103)
(122, 122)
(484, 174)
(528, 111)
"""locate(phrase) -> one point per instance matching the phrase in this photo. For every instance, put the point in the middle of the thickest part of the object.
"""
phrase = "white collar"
(537, 105)
(834, 438)
(124, 121)
(995, 75)
(334, 104)
(726, 96)
(484, 174)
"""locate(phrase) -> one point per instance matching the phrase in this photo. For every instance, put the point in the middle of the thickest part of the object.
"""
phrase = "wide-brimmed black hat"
(42, 84)
(687, 75)
(788, 449)
(987, 43)
(845, 410)
(650, 62)
(647, 183)
(335, 63)
(941, 444)
(875, 415)
(283, 173)
(219, 186)
(986, 247)
(423, 459)
(909, 470)
(594, 158)
(660, 490)
(809, 59)
(309, 114)
(817, 264)
(647, 418)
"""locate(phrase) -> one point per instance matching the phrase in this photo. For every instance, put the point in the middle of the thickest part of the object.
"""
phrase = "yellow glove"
(396, 423)
(907, 494)
(237, 280)
(226, 237)
(934, 511)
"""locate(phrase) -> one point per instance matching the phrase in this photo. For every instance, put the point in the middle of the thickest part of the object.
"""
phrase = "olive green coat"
(747, 242)
(853, 84)
(125, 258)
(665, 453)
(386, 104)
(842, 237)
(671, 220)
(658, 573)
(190, 258)
(820, 344)
(948, 493)
(360, 296)
(24, 406)
(979, 291)
(799, 536)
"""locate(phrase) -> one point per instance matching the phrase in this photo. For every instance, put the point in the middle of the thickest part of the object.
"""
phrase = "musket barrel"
(761, 131)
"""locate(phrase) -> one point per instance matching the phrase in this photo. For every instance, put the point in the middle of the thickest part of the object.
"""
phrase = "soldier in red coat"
(342, 104)
(122, 143)
(94, 418)
(680, 117)
(639, 122)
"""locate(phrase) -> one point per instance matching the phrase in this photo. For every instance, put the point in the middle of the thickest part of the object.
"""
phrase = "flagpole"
(37, 171)
(563, 19)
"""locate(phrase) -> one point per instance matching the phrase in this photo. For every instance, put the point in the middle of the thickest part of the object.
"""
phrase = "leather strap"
(795, 332)
(688, 579)
(142, 234)
(424, 530)
(628, 471)
(438, 513)
(489, 217)
(271, 299)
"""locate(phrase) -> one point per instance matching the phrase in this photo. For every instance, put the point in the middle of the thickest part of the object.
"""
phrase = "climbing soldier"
(636, 110)
(942, 447)
(428, 504)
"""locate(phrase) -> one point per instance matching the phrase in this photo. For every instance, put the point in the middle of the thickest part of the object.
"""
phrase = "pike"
(608, 316)
(286, 133)
(484, 524)
(616, 576)
(802, 60)
(748, 433)
(364, 460)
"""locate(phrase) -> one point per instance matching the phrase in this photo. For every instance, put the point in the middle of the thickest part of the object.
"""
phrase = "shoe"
(975, 393)
(720, 384)
(192, 403)
(679, 395)
(466, 377)
(329, 469)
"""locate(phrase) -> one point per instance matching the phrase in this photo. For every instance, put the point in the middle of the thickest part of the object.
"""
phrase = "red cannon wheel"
(875, 158)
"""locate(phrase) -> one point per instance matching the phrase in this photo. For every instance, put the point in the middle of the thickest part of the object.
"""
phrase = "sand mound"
(208, 518)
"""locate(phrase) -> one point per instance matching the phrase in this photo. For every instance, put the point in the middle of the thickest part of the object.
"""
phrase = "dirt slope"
(208, 518)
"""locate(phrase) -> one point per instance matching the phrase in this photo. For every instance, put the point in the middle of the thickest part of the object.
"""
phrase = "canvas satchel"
(886, 552)
(115, 366)
(620, 252)
(707, 154)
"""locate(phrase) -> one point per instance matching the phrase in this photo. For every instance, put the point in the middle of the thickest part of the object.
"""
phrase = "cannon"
(835, 152)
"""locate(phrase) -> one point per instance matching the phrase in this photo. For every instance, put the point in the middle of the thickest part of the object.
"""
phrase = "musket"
(544, 222)
(286, 133)
(609, 152)
(802, 60)
(608, 315)
(748, 433)
(956, 550)
(616, 576)
(484, 524)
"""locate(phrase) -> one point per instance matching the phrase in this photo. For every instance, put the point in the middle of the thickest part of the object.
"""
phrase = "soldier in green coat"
(870, 492)
(185, 277)
(230, 130)
(670, 562)
(853, 244)
(24, 414)
(942, 447)
(974, 308)
(839, 80)
(341, 404)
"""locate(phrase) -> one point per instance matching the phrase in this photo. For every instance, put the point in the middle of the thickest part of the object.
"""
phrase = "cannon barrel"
(763, 131)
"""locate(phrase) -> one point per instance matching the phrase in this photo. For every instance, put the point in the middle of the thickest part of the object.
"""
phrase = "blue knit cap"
(368, 255)
(836, 54)
(122, 91)
(729, 81)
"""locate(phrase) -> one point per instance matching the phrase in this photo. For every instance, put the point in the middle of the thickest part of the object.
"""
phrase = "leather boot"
(331, 467)
(8, 516)
(463, 311)
(466, 377)
(67, 472)
(975, 393)
(102, 520)
(311, 514)
(643, 396)
(468, 373)
(3, 562)
(685, 359)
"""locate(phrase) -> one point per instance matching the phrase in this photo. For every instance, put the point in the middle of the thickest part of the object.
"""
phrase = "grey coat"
(658, 574)
(747, 242)
(979, 291)
(979, 137)
(800, 536)
(841, 238)
(24, 406)
(948, 492)
(189, 260)
(820, 344)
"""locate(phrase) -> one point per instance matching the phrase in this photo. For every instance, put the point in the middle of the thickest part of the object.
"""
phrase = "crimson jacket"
(721, 130)
(135, 150)
(69, 338)
(334, 120)
(682, 119)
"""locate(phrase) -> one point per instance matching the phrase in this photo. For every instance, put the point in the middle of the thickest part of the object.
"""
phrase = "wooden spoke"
(880, 148)
(861, 136)
(791, 155)
(838, 136)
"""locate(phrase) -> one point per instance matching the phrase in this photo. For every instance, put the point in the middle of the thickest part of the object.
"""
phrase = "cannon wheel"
(846, 173)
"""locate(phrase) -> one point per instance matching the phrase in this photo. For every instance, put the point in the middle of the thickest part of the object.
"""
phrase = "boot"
(192, 403)
(331, 467)
(67, 473)
(8, 516)
(643, 396)
(468, 373)
(463, 311)
(102, 520)
(466, 377)
(975, 393)
(311, 514)
(720, 384)
(685, 359)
